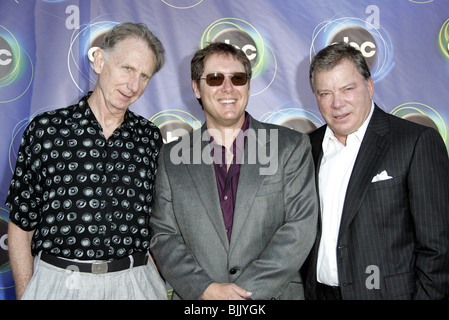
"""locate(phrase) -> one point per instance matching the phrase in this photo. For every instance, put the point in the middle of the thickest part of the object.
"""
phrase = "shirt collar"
(359, 134)
(129, 119)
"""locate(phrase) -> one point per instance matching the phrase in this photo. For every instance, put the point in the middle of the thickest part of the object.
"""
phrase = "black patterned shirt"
(86, 197)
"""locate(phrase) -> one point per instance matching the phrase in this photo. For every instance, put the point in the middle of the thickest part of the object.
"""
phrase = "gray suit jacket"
(274, 220)
(398, 229)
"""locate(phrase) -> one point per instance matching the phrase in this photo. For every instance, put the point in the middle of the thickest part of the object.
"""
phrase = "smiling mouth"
(341, 117)
(227, 101)
(125, 96)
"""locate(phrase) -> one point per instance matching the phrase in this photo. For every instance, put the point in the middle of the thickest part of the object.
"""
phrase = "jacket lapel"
(203, 176)
(316, 140)
(249, 181)
(372, 149)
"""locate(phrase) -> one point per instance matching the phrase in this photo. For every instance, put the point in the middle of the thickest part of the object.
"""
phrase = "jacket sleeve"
(428, 183)
(172, 256)
(278, 265)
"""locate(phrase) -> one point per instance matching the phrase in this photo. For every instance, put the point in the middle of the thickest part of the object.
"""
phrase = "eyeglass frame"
(230, 75)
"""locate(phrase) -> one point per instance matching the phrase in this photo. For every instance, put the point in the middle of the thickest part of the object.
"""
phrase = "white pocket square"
(381, 177)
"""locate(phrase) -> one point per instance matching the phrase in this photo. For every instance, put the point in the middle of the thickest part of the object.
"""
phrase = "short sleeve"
(25, 189)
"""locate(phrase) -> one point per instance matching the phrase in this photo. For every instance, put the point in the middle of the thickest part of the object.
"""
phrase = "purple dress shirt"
(227, 180)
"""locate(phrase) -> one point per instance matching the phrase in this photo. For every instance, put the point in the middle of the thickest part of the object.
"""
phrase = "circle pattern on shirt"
(86, 197)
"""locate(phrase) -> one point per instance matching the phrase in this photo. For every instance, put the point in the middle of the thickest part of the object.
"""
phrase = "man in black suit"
(383, 184)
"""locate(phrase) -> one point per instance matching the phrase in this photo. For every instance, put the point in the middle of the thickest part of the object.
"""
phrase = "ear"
(371, 88)
(196, 89)
(98, 60)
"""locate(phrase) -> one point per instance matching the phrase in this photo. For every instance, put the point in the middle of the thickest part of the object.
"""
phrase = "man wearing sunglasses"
(225, 228)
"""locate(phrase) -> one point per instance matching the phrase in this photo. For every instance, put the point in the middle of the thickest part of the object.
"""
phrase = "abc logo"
(359, 38)
(241, 40)
(299, 124)
(173, 129)
(6, 58)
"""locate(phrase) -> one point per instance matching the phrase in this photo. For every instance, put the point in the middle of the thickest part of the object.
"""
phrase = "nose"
(338, 101)
(134, 83)
(227, 85)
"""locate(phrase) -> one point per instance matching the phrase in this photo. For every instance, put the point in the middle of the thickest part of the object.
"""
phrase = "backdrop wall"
(45, 45)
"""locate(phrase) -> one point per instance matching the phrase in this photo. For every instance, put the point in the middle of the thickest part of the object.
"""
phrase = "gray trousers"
(53, 283)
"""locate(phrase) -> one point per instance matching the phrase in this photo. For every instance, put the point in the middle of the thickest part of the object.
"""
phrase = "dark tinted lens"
(238, 79)
(215, 79)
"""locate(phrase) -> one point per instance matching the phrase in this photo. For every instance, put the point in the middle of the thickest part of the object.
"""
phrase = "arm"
(289, 246)
(173, 257)
(429, 203)
(19, 247)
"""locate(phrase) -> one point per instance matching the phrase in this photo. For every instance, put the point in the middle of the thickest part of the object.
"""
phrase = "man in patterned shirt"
(82, 189)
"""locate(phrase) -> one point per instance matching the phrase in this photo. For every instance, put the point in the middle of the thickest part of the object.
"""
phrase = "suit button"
(233, 271)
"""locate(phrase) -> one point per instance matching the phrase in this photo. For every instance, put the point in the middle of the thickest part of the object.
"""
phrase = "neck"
(106, 117)
(224, 135)
(342, 139)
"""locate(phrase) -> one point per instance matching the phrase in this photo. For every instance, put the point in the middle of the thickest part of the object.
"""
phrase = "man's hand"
(225, 291)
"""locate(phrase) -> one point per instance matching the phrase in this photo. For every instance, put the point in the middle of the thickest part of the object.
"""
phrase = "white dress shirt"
(335, 170)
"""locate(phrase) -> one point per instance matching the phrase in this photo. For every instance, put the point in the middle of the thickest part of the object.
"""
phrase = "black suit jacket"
(396, 229)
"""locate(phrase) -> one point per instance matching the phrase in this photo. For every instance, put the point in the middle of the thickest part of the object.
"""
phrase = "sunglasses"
(216, 79)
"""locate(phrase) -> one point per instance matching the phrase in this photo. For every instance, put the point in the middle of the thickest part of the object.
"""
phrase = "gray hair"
(123, 30)
(333, 55)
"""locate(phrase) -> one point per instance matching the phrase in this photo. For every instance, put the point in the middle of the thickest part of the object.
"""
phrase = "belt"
(97, 267)
(330, 292)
